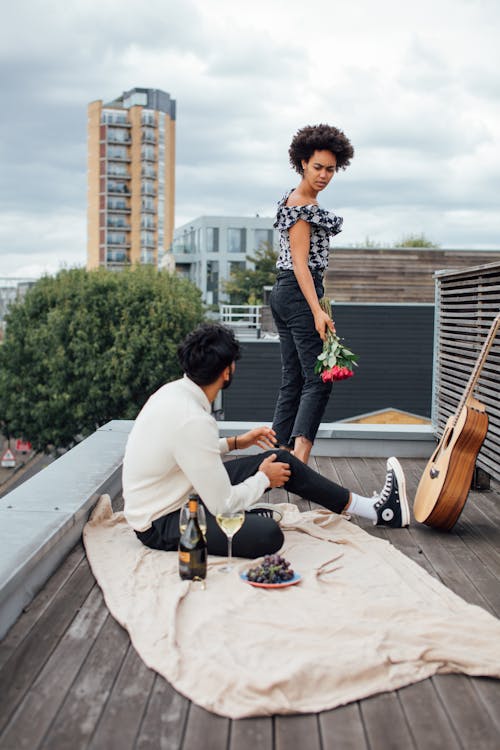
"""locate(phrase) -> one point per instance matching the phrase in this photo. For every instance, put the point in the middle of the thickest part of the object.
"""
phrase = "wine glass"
(202, 519)
(184, 518)
(230, 521)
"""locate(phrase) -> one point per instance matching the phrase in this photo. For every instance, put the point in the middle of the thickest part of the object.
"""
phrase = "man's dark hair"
(320, 138)
(207, 351)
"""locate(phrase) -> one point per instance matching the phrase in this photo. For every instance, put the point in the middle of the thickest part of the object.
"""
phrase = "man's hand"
(277, 472)
(264, 437)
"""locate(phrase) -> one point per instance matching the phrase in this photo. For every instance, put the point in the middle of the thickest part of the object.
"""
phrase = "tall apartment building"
(131, 179)
(209, 248)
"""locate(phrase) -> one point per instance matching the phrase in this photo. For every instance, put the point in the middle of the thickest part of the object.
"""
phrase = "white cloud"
(413, 86)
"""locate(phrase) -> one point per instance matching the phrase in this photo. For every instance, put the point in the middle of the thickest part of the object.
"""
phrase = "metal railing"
(242, 317)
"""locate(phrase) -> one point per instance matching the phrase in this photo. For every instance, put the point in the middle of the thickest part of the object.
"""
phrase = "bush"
(85, 347)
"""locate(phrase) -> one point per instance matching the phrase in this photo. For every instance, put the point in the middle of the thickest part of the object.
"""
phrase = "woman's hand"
(323, 323)
(264, 437)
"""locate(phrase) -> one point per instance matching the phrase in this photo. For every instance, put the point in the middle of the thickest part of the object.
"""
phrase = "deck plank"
(33, 611)
(429, 724)
(48, 692)
(252, 734)
(82, 708)
(22, 668)
(469, 716)
(205, 730)
(125, 707)
(164, 721)
(342, 729)
(298, 730)
(385, 723)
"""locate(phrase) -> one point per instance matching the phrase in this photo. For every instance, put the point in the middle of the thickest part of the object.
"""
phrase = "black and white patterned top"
(324, 225)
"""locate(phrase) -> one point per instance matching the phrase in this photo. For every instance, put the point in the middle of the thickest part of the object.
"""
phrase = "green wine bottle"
(192, 546)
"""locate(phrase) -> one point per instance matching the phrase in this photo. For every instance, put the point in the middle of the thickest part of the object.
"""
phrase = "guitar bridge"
(434, 473)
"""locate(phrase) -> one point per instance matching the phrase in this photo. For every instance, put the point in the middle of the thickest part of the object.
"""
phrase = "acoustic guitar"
(446, 481)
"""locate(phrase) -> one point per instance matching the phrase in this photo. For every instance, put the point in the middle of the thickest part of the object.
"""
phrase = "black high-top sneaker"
(392, 505)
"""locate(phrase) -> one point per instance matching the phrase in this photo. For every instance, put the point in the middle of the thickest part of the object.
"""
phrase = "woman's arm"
(300, 239)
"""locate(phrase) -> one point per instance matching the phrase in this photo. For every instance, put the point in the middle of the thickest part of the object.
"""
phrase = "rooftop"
(69, 676)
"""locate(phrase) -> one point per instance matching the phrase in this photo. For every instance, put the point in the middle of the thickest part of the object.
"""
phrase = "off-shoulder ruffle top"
(324, 225)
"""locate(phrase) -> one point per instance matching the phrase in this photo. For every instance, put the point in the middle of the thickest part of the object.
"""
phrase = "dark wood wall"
(395, 348)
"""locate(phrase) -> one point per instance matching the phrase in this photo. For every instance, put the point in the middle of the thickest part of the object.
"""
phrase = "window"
(236, 240)
(213, 281)
(147, 117)
(136, 97)
(116, 256)
(148, 134)
(212, 239)
(117, 152)
(147, 239)
(147, 204)
(118, 135)
(148, 153)
(117, 187)
(263, 236)
(237, 265)
(116, 238)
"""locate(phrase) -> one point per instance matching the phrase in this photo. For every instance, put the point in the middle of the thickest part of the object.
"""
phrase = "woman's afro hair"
(313, 138)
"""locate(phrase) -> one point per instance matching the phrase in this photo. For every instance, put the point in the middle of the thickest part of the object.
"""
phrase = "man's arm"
(198, 456)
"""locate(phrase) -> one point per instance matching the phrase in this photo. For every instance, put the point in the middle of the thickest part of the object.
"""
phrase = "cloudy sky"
(414, 85)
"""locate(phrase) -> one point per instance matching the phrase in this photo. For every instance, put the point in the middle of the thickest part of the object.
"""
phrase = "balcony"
(118, 208)
(148, 137)
(115, 123)
(117, 224)
(112, 172)
(117, 189)
(116, 256)
(147, 156)
(148, 191)
(147, 256)
(118, 158)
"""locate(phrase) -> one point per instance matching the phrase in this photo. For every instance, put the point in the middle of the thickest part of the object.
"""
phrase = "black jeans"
(302, 396)
(258, 535)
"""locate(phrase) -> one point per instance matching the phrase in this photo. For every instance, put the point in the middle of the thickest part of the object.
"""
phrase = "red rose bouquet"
(336, 361)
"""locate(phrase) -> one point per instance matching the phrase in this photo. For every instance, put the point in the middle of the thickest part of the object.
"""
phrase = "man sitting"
(174, 449)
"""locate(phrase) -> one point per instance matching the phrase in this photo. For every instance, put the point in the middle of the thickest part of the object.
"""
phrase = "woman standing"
(316, 153)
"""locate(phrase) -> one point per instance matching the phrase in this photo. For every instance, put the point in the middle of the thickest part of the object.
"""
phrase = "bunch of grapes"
(273, 569)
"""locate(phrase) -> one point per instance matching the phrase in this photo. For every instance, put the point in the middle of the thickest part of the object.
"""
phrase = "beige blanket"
(364, 619)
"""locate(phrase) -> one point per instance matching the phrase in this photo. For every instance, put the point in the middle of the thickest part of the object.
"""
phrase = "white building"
(208, 249)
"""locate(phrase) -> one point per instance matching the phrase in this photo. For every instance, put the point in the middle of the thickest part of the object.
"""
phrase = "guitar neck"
(476, 372)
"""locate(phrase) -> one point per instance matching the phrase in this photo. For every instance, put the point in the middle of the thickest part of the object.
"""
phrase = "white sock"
(363, 506)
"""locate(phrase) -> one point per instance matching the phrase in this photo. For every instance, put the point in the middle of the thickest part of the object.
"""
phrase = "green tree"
(415, 240)
(85, 347)
(368, 243)
(245, 286)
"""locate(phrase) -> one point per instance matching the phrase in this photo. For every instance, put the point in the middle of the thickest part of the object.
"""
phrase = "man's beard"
(227, 382)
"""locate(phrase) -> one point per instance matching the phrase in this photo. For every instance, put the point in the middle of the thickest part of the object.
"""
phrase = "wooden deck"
(69, 677)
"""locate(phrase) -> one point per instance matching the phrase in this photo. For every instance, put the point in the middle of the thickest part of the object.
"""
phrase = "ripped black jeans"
(303, 396)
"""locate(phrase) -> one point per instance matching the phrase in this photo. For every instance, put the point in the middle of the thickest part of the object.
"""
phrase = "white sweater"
(173, 448)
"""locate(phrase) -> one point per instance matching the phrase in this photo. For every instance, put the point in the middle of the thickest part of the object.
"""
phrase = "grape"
(273, 569)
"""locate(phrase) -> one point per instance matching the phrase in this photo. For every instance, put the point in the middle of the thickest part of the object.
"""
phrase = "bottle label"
(184, 557)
